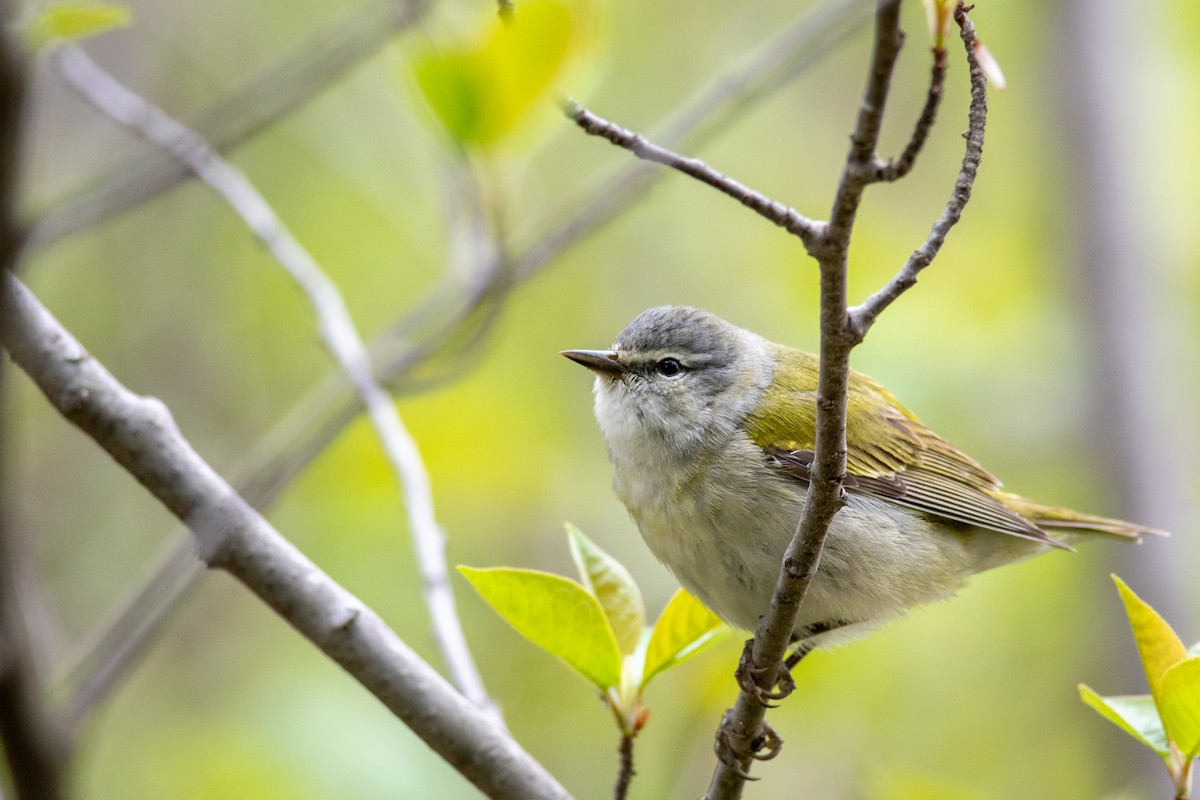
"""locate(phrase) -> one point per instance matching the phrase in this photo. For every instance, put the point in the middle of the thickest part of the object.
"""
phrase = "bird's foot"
(737, 749)
(747, 675)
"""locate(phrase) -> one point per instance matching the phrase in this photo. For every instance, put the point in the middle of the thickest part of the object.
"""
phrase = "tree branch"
(723, 102)
(140, 434)
(337, 330)
(272, 94)
(864, 315)
(786, 218)
(34, 742)
(897, 168)
(454, 317)
(743, 728)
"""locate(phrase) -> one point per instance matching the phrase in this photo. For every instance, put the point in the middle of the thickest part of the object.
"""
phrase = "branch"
(140, 434)
(625, 770)
(776, 212)
(34, 742)
(447, 324)
(897, 168)
(841, 330)
(743, 730)
(282, 454)
(266, 98)
(863, 316)
(723, 102)
(337, 330)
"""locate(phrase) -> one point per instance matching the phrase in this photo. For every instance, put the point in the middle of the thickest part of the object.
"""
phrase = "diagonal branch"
(140, 434)
(277, 91)
(337, 329)
(723, 102)
(783, 216)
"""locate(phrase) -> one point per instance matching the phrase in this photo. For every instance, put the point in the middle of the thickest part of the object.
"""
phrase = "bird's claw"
(747, 675)
(762, 747)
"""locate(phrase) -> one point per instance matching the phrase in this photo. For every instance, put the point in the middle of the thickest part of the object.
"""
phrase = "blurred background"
(1054, 339)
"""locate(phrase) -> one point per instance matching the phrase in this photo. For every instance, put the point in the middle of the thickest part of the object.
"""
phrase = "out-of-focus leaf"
(484, 89)
(1180, 705)
(613, 586)
(68, 22)
(989, 65)
(685, 628)
(1134, 714)
(1158, 646)
(938, 14)
(556, 614)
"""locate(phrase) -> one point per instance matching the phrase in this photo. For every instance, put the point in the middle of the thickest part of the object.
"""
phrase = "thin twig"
(723, 102)
(297, 77)
(140, 434)
(786, 218)
(625, 770)
(337, 329)
(898, 167)
(864, 315)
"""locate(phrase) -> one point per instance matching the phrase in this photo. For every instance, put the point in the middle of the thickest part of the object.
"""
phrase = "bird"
(710, 430)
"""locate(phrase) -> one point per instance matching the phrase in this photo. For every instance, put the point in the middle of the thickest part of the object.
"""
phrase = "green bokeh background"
(974, 698)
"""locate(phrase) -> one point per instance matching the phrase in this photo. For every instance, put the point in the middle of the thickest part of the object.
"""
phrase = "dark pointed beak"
(602, 362)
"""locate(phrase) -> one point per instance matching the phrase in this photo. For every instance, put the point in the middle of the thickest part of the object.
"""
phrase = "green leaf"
(484, 89)
(556, 614)
(684, 628)
(68, 22)
(1134, 714)
(613, 586)
(1158, 646)
(1181, 706)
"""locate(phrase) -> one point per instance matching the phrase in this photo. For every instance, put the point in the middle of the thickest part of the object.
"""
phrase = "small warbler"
(711, 429)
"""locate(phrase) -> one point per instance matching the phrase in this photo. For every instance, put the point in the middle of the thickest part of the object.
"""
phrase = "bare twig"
(625, 770)
(786, 218)
(864, 315)
(274, 93)
(337, 329)
(140, 434)
(723, 102)
(897, 168)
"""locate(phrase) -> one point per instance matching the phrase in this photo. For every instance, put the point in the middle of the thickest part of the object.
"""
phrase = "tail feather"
(1053, 518)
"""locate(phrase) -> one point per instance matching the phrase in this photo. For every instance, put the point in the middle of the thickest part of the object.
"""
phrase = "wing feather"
(890, 454)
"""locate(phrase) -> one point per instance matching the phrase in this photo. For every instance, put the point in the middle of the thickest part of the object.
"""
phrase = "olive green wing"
(890, 454)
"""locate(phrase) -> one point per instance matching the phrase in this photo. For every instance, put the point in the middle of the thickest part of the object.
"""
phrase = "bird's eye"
(669, 367)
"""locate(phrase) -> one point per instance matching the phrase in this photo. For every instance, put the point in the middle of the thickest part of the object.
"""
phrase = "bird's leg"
(732, 747)
(747, 674)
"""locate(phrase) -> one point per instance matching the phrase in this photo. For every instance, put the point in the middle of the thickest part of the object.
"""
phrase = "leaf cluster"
(597, 626)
